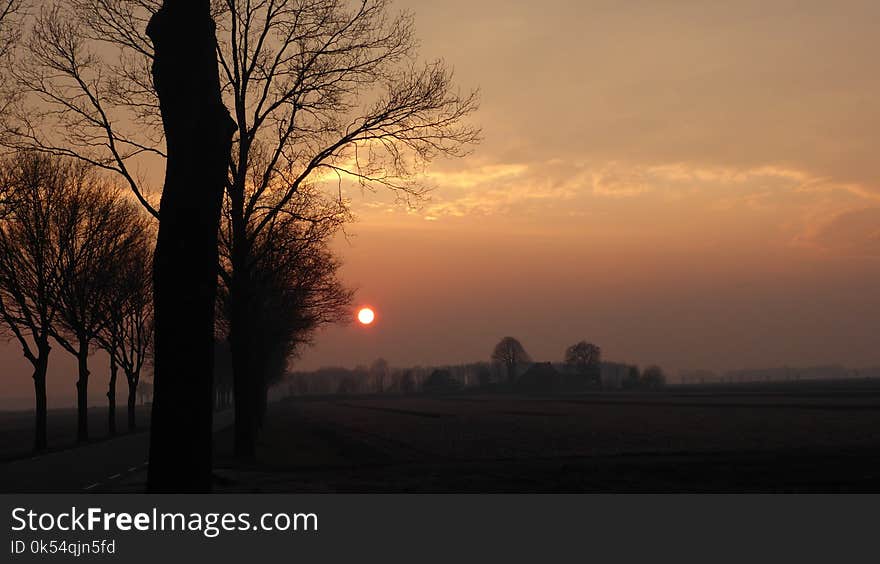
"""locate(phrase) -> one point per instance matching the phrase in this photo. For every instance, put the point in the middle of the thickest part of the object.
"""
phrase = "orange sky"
(682, 182)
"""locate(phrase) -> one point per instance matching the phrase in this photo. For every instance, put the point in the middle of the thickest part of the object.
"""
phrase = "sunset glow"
(366, 316)
(607, 209)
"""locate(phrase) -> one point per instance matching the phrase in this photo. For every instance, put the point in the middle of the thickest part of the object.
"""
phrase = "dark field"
(17, 428)
(758, 438)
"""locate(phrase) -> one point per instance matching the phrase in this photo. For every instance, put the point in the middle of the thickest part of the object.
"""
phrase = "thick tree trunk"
(198, 133)
(40, 410)
(132, 401)
(82, 392)
(111, 398)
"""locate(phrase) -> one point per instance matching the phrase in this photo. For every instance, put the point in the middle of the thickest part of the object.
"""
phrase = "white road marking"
(114, 476)
(132, 469)
(92, 486)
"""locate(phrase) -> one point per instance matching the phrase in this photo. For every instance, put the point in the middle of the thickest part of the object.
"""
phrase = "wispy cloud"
(557, 185)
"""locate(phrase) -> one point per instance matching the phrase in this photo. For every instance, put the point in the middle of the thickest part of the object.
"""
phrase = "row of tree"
(75, 259)
(75, 270)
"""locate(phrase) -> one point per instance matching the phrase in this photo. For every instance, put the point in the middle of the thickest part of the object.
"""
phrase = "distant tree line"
(777, 374)
(509, 369)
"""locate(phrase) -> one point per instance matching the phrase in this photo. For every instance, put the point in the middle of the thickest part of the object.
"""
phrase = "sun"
(366, 316)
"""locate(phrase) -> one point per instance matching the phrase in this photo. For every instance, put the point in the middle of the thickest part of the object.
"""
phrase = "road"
(112, 465)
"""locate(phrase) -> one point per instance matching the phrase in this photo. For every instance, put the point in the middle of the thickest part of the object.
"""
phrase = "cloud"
(851, 233)
(559, 187)
(477, 176)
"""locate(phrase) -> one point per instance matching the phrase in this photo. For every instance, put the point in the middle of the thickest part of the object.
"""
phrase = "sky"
(685, 183)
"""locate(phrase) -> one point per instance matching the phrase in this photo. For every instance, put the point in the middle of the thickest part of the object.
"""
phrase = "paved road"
(115, 464)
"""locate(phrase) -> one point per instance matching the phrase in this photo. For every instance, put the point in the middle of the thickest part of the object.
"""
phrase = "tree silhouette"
(317, 88)
(10, 30)
(653, 377)
(157, 96)
(106, 232)
(322, 87)
(379, 373)
(34, 233)
(484, 375)
(440, 381)
(10, 35)
(128, 334)
(293, 290)
(585, 359)
(198, 133)
(407, 383)
(510, 353)
(633, 376)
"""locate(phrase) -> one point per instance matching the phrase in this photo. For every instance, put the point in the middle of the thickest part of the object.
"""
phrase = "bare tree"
(155, 96)
(74, 102)
(585, 359)
(128, 334)
(105, 236)
(316, 86)
(407, 383)
(10, 30)
(294, 289)
(34, 234)
(11, 12)
(379, 371)
(510, 353)
(320, 89)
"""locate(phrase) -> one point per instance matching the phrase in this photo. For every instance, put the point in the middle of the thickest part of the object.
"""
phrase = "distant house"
(540, 378)
(609, 376)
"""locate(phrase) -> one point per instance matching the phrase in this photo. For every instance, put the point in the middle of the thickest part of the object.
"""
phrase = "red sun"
(366, 316)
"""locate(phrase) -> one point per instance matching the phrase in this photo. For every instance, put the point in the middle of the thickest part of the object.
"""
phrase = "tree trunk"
(241, 349)
(111, 398)
(82, 392)
(245, 406)
(132, 400)
(198, 133)
(40, 428)
(263, 405)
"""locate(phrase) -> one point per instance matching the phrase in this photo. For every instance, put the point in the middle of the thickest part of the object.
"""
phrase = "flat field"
(17, 428)
(749, 438)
